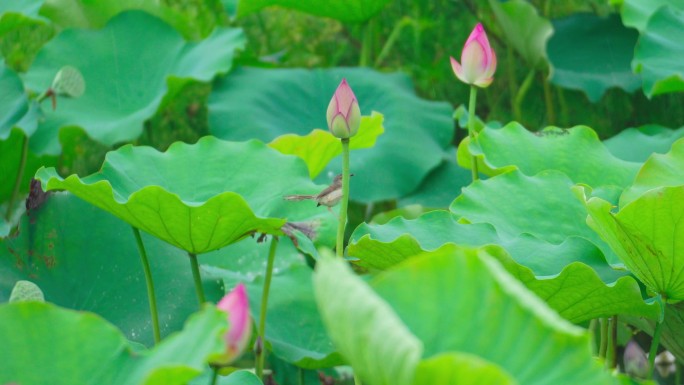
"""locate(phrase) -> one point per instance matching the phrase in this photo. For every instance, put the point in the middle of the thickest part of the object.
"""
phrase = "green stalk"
(199, 290)
(654, 348)
(17, 180)
(512, 86)
(604, 338)
(339, 249)
(548, 100)
(611, 358)
(260, 353)
(214, 375)
(366, 44)
(300, 376)
(471, 128)
(520, 95)
(150, 285)
(389, 43)
(357, 380)
(592, 332)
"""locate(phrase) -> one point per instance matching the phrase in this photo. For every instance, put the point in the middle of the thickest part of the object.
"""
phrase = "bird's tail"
(298, 197)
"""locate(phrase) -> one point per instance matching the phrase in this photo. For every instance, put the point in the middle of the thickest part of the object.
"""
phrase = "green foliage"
(524, 29)
(344, 10)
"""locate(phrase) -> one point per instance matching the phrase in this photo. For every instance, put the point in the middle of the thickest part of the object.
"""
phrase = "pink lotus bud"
(344, 115)
(478, 60)
(239, 332)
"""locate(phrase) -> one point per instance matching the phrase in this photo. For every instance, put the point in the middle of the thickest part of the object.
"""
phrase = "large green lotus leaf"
(572, 277)
(364, 328)
(543, 206)
(637, 144)
(294, 330)
(86, 259)
(460, 369)
(656, 55)
(577, 152)
(319, 147)
(350, 11)
(82, 348)
(13, 101)
(198, 197)
(636, 13)
(441, 185)
(592, 54)
(266, 103)
(126, 66)
(194, 19)
(658, 171)
(505, 325)
(522, 26)
(647, 236)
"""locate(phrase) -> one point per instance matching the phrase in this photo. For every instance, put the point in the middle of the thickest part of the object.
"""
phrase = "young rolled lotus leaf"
(408, 324)
(647, 236)
(572, 277)
(552, 148)
(121, 92)
(198, 197)
(82, 348)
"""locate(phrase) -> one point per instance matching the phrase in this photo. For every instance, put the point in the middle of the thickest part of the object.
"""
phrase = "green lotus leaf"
(592, 54)
(656, 55)
(441, 185)
(13, 101)
(195, 20)
(460, 369)
(637, 144)
(647, 236)
(553, 148)
(121, 92)
(25, 7)
(22, 32)
(572, 277)
(350, 11)
(294, 330)
(197, 197)
(418, 307)
(524, 29)
(658, 171)
(543, 206)
(82, 348)
(636, 13)
(266, 103)
(319, 147)
(66, 237)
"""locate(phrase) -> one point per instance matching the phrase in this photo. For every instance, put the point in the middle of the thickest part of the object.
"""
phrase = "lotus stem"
(654, 346)
(604, 338)
(260, 352)
(548, 100)
(17, 180)
(357, 380)
(611, 357)
(471, 129)
(339, 249)
(199, 290)
(152, 299)
(520, 95)
(214, 375)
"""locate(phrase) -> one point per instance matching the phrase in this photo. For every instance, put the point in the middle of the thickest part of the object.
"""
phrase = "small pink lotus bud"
(239, 332)
(344, 115)
(478, 60)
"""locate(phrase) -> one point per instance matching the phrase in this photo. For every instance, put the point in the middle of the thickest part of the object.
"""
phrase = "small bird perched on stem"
(329, 197)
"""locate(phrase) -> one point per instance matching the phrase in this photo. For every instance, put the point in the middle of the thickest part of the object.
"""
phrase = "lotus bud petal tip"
(478, 60)
(236, 304)
(344, 114)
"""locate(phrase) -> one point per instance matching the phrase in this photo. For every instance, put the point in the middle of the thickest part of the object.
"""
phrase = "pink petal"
(344, 96)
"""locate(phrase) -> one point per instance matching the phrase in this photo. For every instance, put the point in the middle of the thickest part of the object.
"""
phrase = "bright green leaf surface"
(85, 259)
(241, 377)
(522, 26)
(592, 54)
(126, 66)
(543, 206)
(351, 11)
(365, 329)
(657, 55)
(659, 170)
(553, 149)
(319, 147)
(10, 158)
(637, 144)
(194, 19)
(267, 103)
(572, 277)
(647, 236)
(636, 13)
(197, 197)
(461, 369)
(13, 101)
(82, 348)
